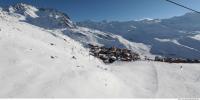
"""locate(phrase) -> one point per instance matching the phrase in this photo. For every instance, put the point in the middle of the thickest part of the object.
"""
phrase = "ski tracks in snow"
(156, 80)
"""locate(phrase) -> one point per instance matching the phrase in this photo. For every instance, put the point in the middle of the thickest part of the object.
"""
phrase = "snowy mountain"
(46, 18)
(178, 30)
(46, 62)
(57, 21)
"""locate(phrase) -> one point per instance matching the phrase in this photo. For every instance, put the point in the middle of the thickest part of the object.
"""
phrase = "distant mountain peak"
(42, 17)
(23, 9)
(23, 6)
(149, 20)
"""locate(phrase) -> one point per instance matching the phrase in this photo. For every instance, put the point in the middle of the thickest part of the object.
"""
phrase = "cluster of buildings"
(110, 55)
(176, 60)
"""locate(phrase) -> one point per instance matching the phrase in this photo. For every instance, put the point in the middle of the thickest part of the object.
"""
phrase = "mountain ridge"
(179, 28)
(58, 21)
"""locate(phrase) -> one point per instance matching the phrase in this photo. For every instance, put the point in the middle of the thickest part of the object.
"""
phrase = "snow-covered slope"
(89, 36)
(37, 62)
(159, 79)
(196, 36)
(180, 29)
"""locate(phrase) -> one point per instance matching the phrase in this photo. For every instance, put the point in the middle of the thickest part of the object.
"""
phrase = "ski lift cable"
(183, 6)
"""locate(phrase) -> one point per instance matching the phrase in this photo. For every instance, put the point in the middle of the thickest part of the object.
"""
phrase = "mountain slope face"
(178, 31)
(38, 63)
(57, 21)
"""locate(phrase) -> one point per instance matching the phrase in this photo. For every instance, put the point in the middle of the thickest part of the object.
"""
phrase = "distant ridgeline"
(112, 54)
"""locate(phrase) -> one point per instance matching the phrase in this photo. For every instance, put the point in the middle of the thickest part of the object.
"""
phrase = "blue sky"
(120, 10)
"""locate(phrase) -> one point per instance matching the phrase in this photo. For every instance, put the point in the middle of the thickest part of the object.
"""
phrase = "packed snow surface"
(36, 62)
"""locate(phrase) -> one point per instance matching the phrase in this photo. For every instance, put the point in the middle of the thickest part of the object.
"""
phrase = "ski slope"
(41, 63)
